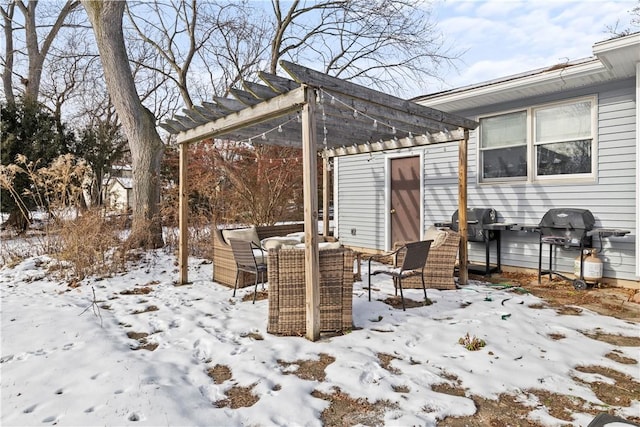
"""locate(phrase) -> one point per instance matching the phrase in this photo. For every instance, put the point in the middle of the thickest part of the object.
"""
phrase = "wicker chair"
(224, 265)
(439, 270)
(287, 302)
(414, 257)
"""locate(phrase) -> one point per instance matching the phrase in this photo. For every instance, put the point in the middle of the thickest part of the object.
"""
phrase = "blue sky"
(504, 37)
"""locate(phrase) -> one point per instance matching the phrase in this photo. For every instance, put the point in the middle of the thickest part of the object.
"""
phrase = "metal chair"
(413, 262)
(246, 261)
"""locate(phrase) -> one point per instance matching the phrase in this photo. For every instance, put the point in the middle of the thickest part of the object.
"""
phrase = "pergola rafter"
(320, 114)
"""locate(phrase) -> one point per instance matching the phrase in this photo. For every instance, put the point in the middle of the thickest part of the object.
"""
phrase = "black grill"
(478, 230)
(567, 228)
(477, 218)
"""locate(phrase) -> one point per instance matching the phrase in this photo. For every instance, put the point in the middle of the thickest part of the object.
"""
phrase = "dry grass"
(83, 240)
(88, 244)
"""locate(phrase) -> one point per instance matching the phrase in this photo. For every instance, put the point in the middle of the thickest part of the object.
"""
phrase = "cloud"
(501, 37)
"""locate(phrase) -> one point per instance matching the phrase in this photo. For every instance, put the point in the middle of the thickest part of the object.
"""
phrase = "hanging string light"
(375, 124)
(320, 96)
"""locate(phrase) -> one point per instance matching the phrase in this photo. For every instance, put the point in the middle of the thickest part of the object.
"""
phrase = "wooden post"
(183, 220)
(326, 194)
(463, 274)
(310, 185)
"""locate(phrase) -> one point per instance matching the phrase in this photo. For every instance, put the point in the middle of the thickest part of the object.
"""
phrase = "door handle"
(392, 211)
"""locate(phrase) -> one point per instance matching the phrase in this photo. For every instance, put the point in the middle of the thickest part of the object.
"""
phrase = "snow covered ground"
(65, 361)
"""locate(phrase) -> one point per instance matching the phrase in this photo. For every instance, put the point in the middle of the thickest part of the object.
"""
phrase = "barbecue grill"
(569, 229)
(478, 219)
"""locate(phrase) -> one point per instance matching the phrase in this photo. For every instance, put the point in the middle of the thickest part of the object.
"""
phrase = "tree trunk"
(7, 73)
(138, 122)
(36, 52)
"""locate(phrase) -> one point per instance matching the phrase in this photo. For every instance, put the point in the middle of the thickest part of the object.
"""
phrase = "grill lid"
(566, 226)
(568, 219)
(476, 219)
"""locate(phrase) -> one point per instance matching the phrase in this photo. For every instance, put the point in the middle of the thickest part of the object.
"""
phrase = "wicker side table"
(287, 288)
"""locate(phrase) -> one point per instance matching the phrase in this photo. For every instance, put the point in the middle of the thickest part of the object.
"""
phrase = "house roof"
(613, 59)
(350, 118)
(126, 183)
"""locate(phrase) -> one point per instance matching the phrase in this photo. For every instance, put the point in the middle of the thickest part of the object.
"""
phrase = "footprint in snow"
(134, 416)
(52, 419)
(40, 352)
(30, 409)
(202, 350)
(99, 375)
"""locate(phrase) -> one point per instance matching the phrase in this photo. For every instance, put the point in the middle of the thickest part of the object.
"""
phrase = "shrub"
(472, 344)
(91, 244)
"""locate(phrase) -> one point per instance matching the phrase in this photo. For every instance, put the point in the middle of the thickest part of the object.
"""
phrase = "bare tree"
(37, 51)
(191, 39)
(138, 122)
(9, 54)
(389, 44)
(634, 24)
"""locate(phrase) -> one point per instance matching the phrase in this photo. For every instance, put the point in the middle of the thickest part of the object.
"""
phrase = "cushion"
(322, 245)
(299, 236)
(260, 256)
(329, 245)
(277, 242)
(438, 236)
(248, 234)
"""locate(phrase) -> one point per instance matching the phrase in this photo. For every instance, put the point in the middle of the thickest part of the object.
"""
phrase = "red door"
(405, 199)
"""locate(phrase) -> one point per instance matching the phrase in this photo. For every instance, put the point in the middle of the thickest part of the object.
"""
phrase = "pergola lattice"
(322, 115)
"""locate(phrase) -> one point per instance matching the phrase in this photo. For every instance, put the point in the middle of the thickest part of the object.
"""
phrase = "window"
(556, 139)
(503, 143)
(563, 139)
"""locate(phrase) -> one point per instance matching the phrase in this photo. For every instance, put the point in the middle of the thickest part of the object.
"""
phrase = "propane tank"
(591, 266)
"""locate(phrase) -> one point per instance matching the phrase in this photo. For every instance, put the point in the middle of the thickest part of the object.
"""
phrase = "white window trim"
(591, 177)
(532, 176)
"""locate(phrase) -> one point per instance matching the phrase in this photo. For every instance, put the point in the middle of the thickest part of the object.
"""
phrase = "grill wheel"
(579, 285)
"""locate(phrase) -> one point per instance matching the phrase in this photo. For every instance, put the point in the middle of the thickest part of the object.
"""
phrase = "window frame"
(531, 145)
(481, 150)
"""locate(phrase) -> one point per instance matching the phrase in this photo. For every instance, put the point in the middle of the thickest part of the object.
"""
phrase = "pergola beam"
(277, 83)
(386, 145)
(265, 111)
(333, 84)
(310, 195)
(260, 91)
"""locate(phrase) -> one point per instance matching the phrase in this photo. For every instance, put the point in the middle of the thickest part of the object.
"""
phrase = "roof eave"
(613, 59)
(512, 88)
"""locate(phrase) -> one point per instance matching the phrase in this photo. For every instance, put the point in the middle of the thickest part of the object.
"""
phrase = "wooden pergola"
(326, 117)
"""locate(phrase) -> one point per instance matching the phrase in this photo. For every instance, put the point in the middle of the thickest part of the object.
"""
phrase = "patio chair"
(413, 262)
(439, 271)
(245, 258)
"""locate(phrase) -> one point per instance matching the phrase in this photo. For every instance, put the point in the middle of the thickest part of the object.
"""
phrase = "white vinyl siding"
(359, 200)
(610, 195)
